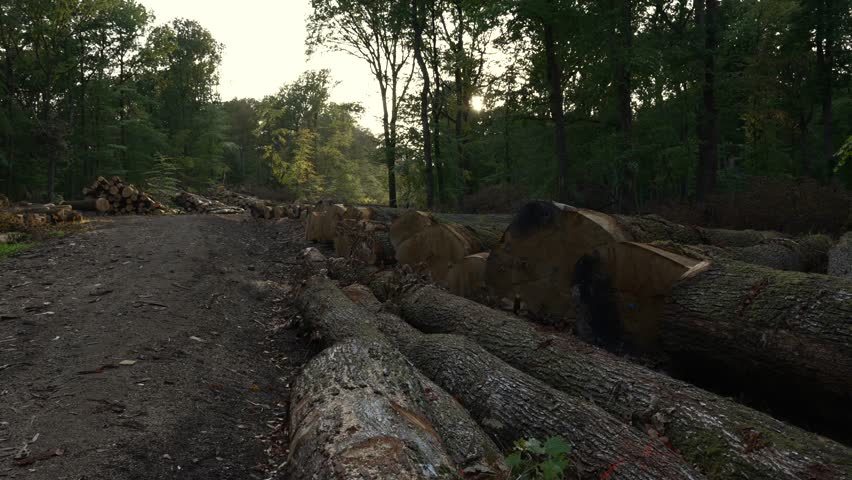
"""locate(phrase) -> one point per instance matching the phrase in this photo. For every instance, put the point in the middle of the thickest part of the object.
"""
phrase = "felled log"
(806, 254)
(434, 242)
(467, 278)
(506, 402)
(321, 223)
(196, 203)
(765, 329)
(355, 415)
(363, 234)
(330, 314)
(99, 204)
(840, 257)
(510, 404)
(723, 438)
(534, 261)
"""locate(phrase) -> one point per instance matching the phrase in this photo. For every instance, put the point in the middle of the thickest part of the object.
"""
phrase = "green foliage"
(7, 249)
(161, 181)
(534, 460)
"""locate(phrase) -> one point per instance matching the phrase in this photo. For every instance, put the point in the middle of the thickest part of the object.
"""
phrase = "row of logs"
(193, 203)
(514, 381)
(22, 216)
(745, 312)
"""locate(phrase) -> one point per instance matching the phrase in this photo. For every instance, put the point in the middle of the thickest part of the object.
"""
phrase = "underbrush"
(7, 249)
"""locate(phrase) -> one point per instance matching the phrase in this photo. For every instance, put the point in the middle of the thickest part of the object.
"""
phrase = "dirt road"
(148, 348)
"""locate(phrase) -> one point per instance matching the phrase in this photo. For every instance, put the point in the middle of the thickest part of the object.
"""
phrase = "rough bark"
(768, 330)
(840, 257)
(335, 318)
(357, 414)
(434, 242)
(726, 440)
(99, 204)
(806, 254)
(510, 404)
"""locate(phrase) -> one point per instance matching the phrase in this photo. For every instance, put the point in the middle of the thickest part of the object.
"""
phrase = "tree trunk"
(624, 41)
(461, 96)
(708, 130)
(357, 412)
(418, 26)
(825, 67)
(554, 82)
(329, 313)
(506, 402)
(745, 443)
(434, 242)
(730, 325)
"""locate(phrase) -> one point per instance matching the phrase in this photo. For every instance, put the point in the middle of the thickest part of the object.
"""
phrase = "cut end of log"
(620, 290)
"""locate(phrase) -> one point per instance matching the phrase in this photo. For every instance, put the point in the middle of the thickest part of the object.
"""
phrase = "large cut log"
(329, 313)
(363, 234)
(467, 278)
(723, 438)
(100, 205)
(806, 254)
(321, 225)
(753, 329)
(355, 414)
(840, 257)
(506, 402)
(533, 263)
(435, 242)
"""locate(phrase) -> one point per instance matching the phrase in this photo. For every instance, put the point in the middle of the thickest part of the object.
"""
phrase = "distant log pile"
(114, 196)
(197, 204)
(37, 214)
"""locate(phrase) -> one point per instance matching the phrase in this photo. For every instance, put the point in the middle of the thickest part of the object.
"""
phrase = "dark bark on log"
(805, 254)
(328, 312)
(652, 228)
(510, 405)
(840, 257)
(357, 413)
(768, 330)
(724, 439)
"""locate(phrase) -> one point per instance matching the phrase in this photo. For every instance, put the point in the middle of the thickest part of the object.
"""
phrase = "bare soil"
(149, 348)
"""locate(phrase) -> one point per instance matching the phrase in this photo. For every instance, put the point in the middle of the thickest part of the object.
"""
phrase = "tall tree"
(418, 22)
(374, 31)
(707, 18)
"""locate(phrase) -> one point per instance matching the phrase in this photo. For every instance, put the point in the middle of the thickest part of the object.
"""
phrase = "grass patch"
(7, 249)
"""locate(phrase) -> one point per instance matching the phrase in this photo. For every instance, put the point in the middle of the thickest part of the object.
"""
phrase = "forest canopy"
(609, 104)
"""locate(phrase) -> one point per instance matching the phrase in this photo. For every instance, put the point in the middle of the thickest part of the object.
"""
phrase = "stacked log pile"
(363, 233)
(33, 215)
(197, 204)
(114, 196)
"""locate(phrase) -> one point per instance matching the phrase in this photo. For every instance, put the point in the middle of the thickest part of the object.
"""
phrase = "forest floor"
(149, 347)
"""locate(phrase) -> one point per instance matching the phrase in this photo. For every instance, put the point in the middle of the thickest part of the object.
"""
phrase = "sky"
(265, 48)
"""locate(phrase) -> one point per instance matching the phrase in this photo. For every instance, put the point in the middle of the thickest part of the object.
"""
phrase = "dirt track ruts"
(188, 299)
